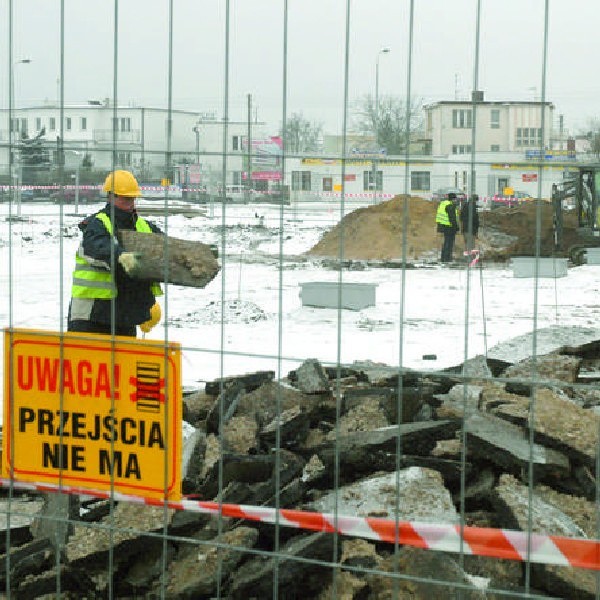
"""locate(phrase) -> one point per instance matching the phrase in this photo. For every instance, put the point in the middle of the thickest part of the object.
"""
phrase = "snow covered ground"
(251, 316)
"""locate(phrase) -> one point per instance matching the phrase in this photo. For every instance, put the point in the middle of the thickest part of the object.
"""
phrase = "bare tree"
(388, 122)
(301, 135)
(592, 132)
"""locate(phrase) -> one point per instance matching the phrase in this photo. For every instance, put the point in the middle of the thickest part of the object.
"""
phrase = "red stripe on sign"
(308, 520)
(404, 533)
(489, 542)
(581, 553)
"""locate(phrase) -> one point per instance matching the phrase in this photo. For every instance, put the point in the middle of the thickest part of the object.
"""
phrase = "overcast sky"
(510, 54)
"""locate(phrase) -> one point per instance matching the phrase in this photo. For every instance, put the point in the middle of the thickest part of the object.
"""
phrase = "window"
(529, 136)
(124, 158)
(52, 124)
(236, 142)
(19, 126)
(495, 148)
(372, 181)
(462, 118)
(83, 124)
(301, 181)
(495, 118)
(38, 123)
(420, 181)
(238, 177)
(327, 184)
(68, 123)
(260, 185)
(461, 149)
(124, 124)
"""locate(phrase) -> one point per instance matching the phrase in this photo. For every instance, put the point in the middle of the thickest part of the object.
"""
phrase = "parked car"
(442, 194)
(515, 199)
(32, 194)
(87, 195)
(27, 194)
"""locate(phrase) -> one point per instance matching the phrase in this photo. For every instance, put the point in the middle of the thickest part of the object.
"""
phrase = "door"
(502, 183)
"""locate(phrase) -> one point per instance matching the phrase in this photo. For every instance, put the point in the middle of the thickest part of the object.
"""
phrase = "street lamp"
(374, 186)
(382, 51)
(196, 130)
(14, 128)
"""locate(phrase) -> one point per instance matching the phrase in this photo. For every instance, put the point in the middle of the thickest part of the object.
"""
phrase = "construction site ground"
(378, 232)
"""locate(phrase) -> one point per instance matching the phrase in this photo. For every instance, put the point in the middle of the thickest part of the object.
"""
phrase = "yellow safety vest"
(441, 216)
(94, 282)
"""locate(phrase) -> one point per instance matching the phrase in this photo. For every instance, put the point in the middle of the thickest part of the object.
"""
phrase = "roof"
(489, 103)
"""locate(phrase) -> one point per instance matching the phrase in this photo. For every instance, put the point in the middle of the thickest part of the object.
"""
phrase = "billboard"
(92, 411)
(265, 158)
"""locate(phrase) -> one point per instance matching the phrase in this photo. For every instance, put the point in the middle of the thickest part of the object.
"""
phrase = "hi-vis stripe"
(481, 541)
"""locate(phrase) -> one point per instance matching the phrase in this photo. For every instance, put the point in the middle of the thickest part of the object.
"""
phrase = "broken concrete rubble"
(525, 509)
(412, 494)
(355, 440)
(503, 444)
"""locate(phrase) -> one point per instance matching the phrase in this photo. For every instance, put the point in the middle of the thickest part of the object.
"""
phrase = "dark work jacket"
(134, 297)
(464, 218)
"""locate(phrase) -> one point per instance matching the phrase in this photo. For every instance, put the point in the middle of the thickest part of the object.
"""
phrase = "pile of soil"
(377, 232)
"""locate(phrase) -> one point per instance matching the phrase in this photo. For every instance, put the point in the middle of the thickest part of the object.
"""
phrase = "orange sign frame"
(93, 411)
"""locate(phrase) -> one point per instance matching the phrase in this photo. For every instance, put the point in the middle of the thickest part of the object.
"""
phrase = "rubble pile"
(364, 440)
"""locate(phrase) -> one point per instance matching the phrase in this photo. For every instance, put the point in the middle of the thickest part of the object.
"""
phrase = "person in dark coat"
(104, 298)
(447, 224)
(469, 219)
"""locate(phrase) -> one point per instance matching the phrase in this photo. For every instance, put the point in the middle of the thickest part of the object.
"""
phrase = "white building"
(499, 126)
(136, 138)
(508, 137)
(380, 178)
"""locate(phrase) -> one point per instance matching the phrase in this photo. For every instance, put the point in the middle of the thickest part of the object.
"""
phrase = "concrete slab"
(548, 339)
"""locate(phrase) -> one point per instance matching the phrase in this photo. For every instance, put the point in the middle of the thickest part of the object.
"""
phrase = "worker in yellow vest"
(447, 224)
(104, 297)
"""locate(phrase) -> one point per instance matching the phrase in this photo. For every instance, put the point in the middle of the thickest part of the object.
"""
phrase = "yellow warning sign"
(93, 411)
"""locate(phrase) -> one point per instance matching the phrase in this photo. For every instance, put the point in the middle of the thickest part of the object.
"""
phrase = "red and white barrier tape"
(474, 254)
(191, 188)
(440, 537)
(485, 201)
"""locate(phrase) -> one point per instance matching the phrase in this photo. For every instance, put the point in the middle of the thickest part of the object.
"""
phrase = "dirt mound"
(377, 232)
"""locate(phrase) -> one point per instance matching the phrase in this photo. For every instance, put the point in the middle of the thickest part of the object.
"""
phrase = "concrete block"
(524, 266)
(326, 294)
(592, 256)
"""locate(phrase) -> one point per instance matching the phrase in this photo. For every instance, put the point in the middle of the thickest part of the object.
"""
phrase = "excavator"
(581, 191)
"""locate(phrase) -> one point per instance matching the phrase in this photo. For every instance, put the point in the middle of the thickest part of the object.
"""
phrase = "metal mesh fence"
(337, 413)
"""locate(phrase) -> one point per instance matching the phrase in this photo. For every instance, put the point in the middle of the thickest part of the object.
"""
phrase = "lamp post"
(196, 130)
(374, 169)
(14, 128)
(382, 51)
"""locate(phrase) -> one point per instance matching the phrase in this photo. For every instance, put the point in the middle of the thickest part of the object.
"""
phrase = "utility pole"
(249, 161)
(377, 148)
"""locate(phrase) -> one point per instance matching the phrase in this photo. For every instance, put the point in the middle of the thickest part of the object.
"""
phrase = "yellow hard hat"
(122, 183)
(155, 314)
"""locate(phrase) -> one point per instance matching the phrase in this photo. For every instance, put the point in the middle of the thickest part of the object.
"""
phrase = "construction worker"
(447, 224)
(469, 221)
(105, 298)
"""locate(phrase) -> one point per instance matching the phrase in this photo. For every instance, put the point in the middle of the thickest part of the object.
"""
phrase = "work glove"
(130, 261)
(155, 314)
